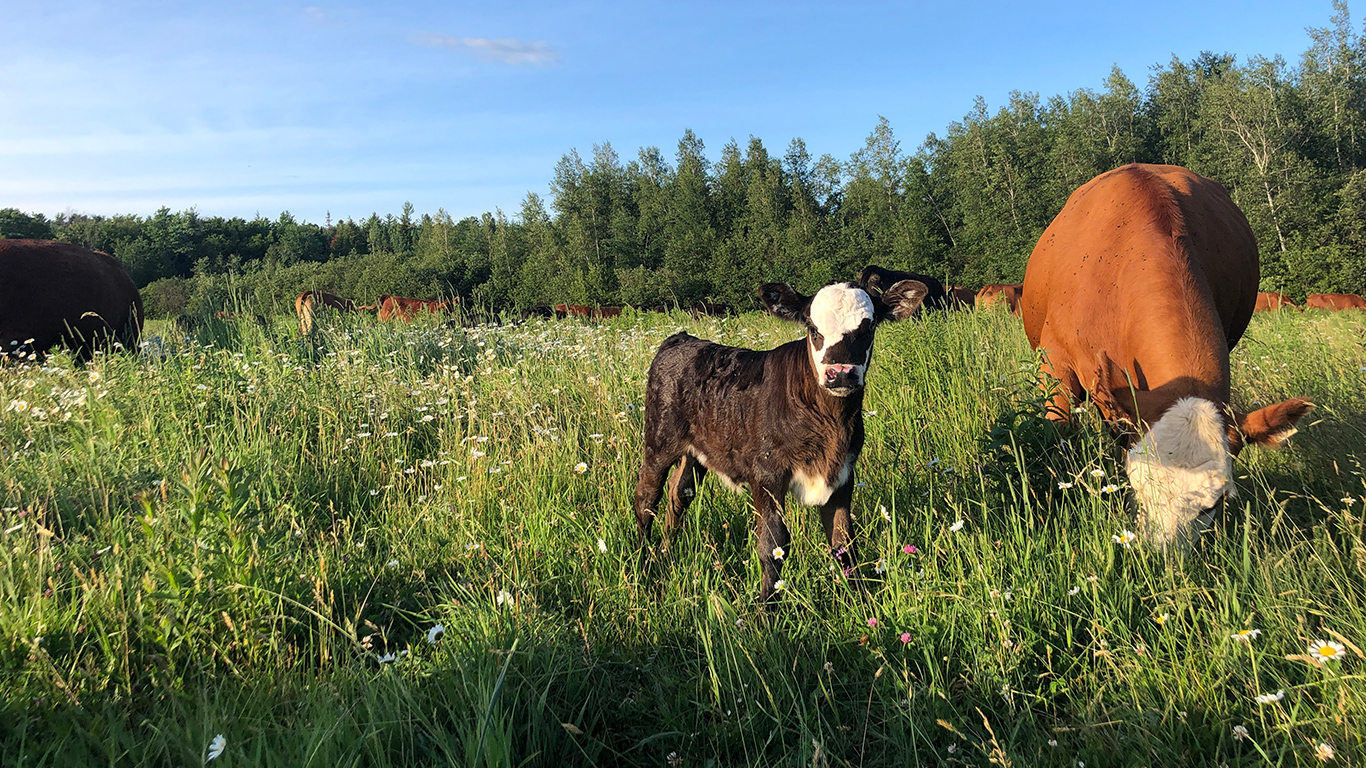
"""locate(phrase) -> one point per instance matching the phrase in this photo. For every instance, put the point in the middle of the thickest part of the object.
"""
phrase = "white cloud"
(504, 50)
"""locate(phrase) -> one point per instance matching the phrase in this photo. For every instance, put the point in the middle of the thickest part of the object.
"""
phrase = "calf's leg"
(649, 488)
(773, 536)
(683, 484)
(839, 531)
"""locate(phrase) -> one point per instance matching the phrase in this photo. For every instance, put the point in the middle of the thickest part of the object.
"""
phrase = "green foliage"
(1288, 140)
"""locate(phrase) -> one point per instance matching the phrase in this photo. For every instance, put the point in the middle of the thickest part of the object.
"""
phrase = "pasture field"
(254, 534)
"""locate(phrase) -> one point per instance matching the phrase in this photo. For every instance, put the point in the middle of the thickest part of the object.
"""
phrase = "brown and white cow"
(1001, 293)
(310, 301)
(403, 308)
(1136, 292)
(783, 420)
(1334, 301)
(1270, 302)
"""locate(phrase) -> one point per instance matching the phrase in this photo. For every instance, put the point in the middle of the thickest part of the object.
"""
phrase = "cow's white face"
(840, 337)
(1179, 471)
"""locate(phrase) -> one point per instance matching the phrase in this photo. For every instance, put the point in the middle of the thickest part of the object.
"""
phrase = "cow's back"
(55, 292)
(1151, 264)
(1334, 301)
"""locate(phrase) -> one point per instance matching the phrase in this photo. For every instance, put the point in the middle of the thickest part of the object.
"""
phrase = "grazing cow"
(54, 293)
(1334, 301)
(785, 419)
(996, 293)
(1136, 292)
(228, 316)
(402, 308)
(592, 313)
(708, 309)
(877, 278)
(957, 297)
(1268, 302)
(311, 301)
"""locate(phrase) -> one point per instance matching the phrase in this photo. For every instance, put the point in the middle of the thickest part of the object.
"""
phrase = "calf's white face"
(840, 337)
(1179, 471)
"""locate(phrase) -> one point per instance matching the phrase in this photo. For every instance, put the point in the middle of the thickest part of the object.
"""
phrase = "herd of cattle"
(1134, 295)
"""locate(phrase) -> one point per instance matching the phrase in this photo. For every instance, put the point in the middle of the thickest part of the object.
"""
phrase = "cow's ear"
(783, 300)
(1115, 407)
(901, 300)
(1270, 426)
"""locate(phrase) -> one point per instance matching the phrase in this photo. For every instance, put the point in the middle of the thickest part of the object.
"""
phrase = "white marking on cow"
(726, 481)
(813, 490)
(1179, 471)
(835, 311)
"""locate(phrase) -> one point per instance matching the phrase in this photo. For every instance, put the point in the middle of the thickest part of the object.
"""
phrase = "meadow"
(413, 545)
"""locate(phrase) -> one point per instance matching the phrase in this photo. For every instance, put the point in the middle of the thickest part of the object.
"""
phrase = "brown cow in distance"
(54, 293)
(709, 309)
(402, 308)
(1269, 302)
(311, 301)
(1136, 293)
(1334, 301)
(957, 297)
(997, 293)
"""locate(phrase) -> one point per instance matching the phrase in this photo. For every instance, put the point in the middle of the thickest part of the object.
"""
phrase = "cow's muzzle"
(841, 377)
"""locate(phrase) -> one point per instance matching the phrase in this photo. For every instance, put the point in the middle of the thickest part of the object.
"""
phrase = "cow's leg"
(649, 488)
(683, 484)
(774, 538)
(839, 531)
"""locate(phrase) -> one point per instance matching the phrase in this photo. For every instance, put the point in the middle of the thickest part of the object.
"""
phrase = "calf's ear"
(784, 301)
(901, 300)
(1270, 426)
(871, 277)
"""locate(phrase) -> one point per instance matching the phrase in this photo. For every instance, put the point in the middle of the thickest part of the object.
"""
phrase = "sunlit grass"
(250, 533)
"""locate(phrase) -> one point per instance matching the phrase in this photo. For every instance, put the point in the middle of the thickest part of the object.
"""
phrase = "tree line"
(1287, 140)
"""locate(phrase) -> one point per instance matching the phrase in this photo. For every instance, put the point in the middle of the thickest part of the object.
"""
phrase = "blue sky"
(240, 108)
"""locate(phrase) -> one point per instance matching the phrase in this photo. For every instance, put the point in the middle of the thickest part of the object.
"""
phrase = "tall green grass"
(233, 534)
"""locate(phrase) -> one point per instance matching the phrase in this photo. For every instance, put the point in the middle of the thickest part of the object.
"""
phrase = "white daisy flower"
(1110, 488)
(1326, 650)
(1064, 486)
(434, 634)
(779, 553)
(1239, 733)
(505, 596)
(1125, 538)
(1270, 698)
(602, 546)
(1246, 635)
(1097, 473)
(957, 525)
(216, 746)
(779, 585)
(580, 468)
(1074, 590)
(1324, 751)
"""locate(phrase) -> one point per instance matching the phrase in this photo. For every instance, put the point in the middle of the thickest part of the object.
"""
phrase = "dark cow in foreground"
(310, 302)
(403, 308)
(880, 279)
(592, 313)
(1136, 293)
(54, 293)
(785, 419)
(1001, 293)
(1334, 301)
(1270, 302)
